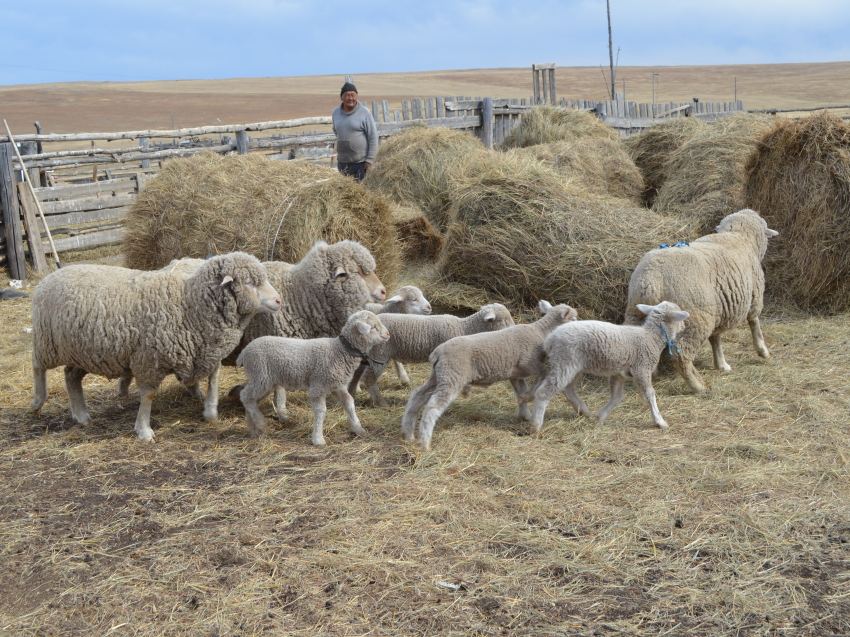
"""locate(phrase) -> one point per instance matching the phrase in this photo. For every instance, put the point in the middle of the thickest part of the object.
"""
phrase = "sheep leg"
(644, 383)
(194, 390)
(251, 396)
(717, 352)
(143, 419)
(74, 386)
(520, 391)
(211, 400)
(354, 384)
(124, 386)
(39, 387)
(280, 402)
(347, 403)
(434, 408)
(684, 363)
(758, 339)
(418, 398)
(616, 384)
(545, 391)
(578, 404)
(370, 379)
(320, 408)
(403, 378)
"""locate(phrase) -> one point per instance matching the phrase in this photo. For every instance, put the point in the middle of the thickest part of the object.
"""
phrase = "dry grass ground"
(735, 521)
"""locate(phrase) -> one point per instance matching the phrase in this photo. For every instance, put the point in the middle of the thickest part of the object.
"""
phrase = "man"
(356, 134)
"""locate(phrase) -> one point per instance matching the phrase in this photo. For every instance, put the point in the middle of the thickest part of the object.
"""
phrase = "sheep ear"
(396, 298)
(677, 315)
(227, 279)
(363, 327)
(340, 271)
(544, 306)
(489, 316)
(644, 309)
(567, 311)
(770, 233)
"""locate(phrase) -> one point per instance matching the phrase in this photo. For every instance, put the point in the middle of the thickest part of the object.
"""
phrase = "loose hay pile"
(599, 163)
(414, 167)
(706, 174)
(799, 179)
(651, 149)
(546, 124)
(275, 210)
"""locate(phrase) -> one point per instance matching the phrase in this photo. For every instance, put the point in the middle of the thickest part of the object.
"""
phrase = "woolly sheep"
(718, 279)
(115, 322)
(413, 338)
(513, 354)
(319, 365)
(604, 349)
(408, 300)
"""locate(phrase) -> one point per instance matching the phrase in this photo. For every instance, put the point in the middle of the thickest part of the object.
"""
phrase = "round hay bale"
(599, 163)
(706, 174)
(414, 166)
(799, 180)
(419, 240)
(651, 149)
(275, 210)
(522, 234)
(545, 124)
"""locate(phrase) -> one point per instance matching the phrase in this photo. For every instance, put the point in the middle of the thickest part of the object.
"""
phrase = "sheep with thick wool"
(320, 366)
(512, 354)
(718, 279)
(413, 338)
(604, 349)
(121, 323)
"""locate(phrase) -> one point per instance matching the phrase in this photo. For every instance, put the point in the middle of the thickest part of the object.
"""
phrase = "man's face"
(349, 100)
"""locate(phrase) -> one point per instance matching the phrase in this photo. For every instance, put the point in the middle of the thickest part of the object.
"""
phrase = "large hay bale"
(545, 124)
(706, 174)
(799, 180)
(414, 167)
(600, 164)
(275, 210)
(521, 233)
(651, 149)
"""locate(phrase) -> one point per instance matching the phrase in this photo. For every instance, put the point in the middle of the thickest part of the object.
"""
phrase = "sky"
(115, 40)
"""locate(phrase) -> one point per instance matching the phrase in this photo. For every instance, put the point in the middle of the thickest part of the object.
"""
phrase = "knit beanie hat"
(348, 86)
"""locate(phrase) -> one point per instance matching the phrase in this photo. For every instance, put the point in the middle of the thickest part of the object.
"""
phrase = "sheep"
(319, 365)
(408, 300)
(120, 323)
(413, 338)
(718, 278)
(513, 354)
(604, 349)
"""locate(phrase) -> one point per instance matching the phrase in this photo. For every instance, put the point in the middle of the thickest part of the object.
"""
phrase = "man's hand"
(366, 166)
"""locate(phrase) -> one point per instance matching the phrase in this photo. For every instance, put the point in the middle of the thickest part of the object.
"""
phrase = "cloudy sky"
(63, 41)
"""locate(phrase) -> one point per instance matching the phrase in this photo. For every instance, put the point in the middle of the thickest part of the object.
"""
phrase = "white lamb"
(604, 349)
(512, 354)
(413, 338)
(320, 366)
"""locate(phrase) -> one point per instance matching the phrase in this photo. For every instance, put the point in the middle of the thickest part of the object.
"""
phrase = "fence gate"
(543, 76)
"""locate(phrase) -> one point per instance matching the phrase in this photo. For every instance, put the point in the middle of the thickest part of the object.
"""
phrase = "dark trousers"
(356, 170)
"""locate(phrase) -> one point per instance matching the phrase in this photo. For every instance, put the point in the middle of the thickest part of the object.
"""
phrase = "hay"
(706, 176)
(546, 124)
(522, 234)
(799, 179)
(275, 210)
(651, 149)
(419, 240)
(599, 163)
(414, 167)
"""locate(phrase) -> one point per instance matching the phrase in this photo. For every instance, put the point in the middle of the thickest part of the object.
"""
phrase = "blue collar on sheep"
(670, 344)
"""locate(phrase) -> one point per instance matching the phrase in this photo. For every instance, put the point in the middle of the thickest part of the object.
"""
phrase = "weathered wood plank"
(87, 216)
(385, 110)
(30, 210)
(77, 190)
(416, 108)
(11, 214)
(487, 122)
(468, 121)
(89, 203)
(91, 240)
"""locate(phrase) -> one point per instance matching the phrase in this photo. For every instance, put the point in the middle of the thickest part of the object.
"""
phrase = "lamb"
(718, 278)
(121, 323)
(408, 300)
(604, 349)
(513, 354)
(319, 365)
(413, 338)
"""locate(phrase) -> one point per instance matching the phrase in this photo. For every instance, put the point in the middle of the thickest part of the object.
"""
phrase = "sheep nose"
(380, 294)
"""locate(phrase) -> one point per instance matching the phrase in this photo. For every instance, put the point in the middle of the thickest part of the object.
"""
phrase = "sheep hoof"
(234, 392)
(764, 353)
(82, 418)
(726, 367)
(383, 404)
(663, 425)
(359, 431)
(320, 442)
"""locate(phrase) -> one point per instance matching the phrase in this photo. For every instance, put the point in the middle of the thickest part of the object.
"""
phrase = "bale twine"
(521, 234)
(275, 210)
(651, 149)
(599, 163)
(706, 174)
(545, 124)
(414, 167)
(799, 180)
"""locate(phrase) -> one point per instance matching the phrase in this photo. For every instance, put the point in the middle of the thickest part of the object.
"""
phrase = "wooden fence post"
(29, 208)
(242, 142)
(487, 122)
(144, 143)
(11, 214)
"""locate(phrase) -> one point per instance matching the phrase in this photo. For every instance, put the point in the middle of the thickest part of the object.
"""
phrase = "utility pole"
(611, 53)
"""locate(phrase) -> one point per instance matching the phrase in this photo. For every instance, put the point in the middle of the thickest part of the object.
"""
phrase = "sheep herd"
(320, 326)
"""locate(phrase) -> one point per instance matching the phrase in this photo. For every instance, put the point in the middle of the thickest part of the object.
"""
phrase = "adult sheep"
(718, 279)
(121, 323)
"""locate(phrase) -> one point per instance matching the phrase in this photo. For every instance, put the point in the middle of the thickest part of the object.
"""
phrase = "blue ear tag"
(662, 246)
(670, 344)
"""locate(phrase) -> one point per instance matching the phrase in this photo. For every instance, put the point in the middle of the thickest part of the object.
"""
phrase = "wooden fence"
(84, 194)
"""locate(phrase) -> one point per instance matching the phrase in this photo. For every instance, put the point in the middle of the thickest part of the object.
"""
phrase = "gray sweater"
(356, 134)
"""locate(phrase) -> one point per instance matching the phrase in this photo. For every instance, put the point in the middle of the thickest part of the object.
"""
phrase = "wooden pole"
(242, 142)
(487, 122)
(39, 260)
(611, 52)
(11, 215)
(38, 205)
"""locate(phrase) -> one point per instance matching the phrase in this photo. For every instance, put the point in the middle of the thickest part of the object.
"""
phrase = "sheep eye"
(248, 282)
